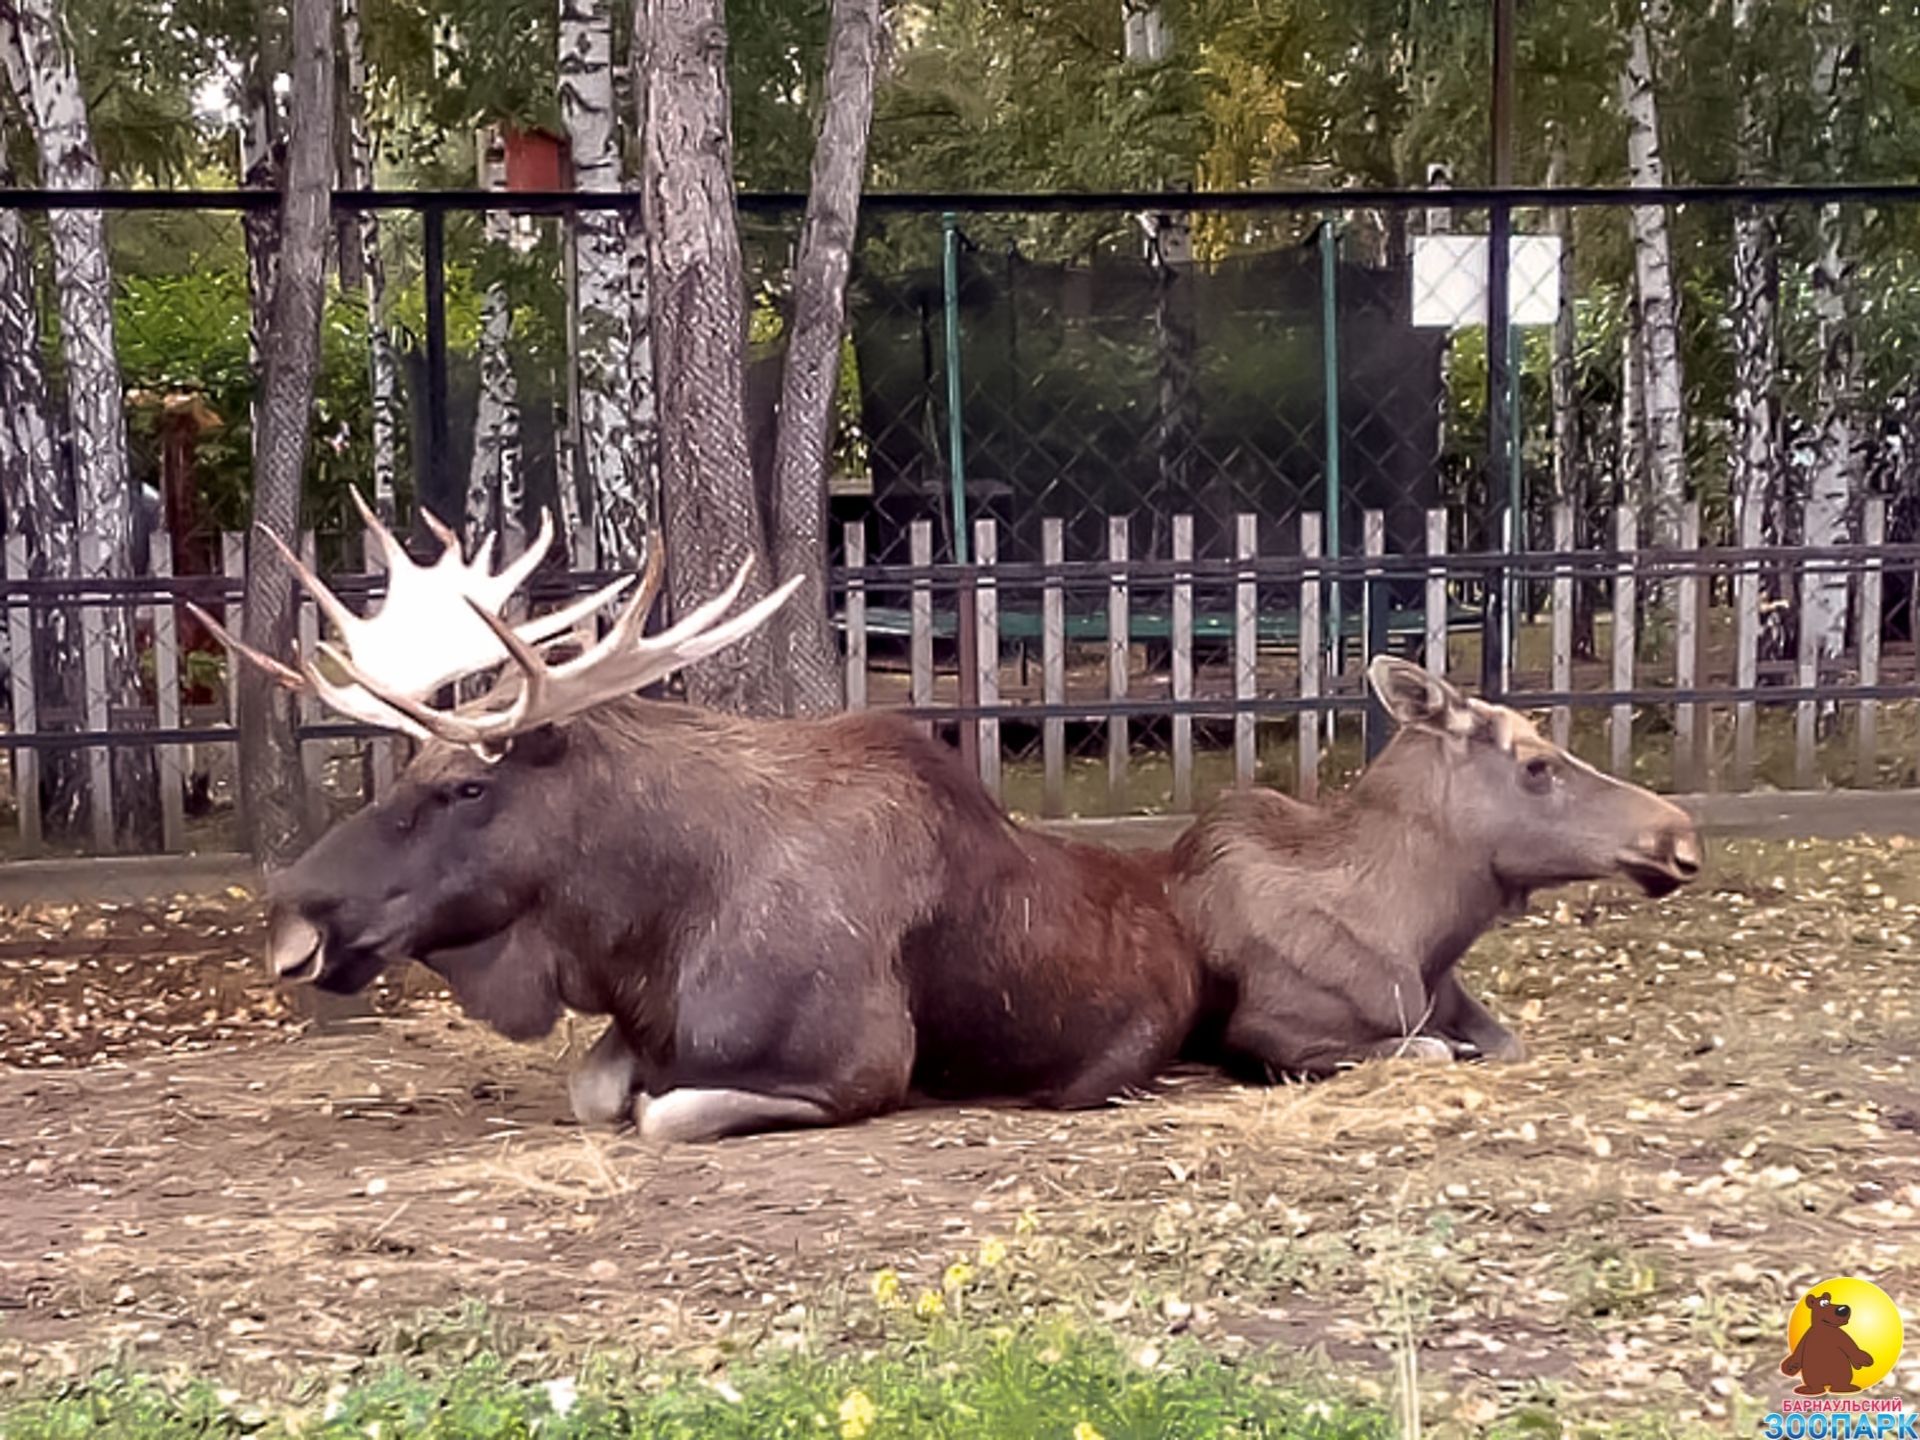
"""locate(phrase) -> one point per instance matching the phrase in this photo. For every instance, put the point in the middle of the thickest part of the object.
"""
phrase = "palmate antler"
(441, 623)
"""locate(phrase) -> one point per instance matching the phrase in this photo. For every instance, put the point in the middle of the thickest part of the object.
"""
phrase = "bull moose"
(1332, 934)
(789, 922)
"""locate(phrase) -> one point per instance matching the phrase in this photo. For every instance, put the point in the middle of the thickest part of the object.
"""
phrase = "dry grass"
(1720, 1108)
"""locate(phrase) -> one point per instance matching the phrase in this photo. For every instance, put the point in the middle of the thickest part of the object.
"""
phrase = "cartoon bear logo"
(1826, 1356)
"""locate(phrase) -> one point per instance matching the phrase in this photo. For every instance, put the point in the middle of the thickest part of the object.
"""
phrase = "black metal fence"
(1102, 387)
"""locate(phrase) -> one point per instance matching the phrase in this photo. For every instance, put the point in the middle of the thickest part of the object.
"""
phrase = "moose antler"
(427, 633)
(442, 622)
(621, 663)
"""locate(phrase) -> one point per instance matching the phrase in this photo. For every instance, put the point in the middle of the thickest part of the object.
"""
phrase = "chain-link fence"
(1179, 426)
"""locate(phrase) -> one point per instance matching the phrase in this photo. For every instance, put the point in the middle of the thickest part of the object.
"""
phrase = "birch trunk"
(1836, 471)
(49, 92)
(1664, 386)
(272, 791)
(39, 503)
(496, 489)
(382, 368)
(1569, 455)
(603, 308)
(262, 141)
(1757, 467)
(804, 443)
(700, 328)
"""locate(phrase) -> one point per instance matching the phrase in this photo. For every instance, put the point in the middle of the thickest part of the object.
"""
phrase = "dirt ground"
(1720, 1109)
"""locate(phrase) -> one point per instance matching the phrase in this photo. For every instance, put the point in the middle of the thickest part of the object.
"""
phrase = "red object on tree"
(537, 160)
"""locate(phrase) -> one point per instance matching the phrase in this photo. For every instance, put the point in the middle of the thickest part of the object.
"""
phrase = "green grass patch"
(939, 1379)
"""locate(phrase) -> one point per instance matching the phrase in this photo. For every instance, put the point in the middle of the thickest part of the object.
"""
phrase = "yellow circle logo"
(1845, 1335)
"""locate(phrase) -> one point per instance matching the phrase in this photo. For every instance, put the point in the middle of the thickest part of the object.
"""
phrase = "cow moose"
(789, 922)
(1331, 934)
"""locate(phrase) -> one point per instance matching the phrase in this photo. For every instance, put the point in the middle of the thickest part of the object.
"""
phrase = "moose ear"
(539, 748)
(1412, 695)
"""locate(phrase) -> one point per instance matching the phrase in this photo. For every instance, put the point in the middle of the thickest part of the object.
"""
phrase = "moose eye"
(1539, 773)
(469, 790)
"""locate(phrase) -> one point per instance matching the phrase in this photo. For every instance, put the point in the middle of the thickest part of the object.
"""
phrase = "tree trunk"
(383, 369)
(50, 94)
(39, 501)
(700, 328)
(1835, 481)
(603, 309)
(1569, 457)
(262, 144)
(496, 488)
(272, 792)
(1658, 302)
(803, 447)
(1756, 460)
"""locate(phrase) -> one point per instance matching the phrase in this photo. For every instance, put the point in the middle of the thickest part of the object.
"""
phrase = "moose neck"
(1435, 886)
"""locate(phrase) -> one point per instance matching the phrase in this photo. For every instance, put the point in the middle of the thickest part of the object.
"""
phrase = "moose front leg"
(1456, 1016)
(603, 1086)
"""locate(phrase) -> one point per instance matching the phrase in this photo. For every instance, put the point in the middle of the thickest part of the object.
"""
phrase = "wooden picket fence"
(1161, 660)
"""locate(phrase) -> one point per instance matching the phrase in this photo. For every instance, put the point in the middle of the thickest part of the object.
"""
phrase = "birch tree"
(1837, 467)
(713, 519)
(262, 142)
(39, 499)
(803, 445)
(40, 69)
(1757, 472)
(1656, 295)
(382, 369)
(610, 452)
(271, 788)
(496, 487)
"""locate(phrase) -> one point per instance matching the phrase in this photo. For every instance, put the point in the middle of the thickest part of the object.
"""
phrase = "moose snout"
(1683, 852)
(296, 946)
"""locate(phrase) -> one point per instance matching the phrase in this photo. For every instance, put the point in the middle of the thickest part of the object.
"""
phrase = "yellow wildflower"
(993, 1253)
(1085, 1431)
(957, 1276)
(857, 1414)
(885, 1287)
(929, 1305)
(1027, 1223)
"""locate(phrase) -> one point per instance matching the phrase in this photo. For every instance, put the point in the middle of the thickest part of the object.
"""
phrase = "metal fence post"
(1330, 368)
(434, 265)
(965, 631)
(1493, 642)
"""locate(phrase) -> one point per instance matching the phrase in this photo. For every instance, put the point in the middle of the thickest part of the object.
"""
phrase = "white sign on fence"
(1450, 280)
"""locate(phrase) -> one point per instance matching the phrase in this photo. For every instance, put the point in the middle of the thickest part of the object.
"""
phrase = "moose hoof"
(1507, 1049)
(600, 1095)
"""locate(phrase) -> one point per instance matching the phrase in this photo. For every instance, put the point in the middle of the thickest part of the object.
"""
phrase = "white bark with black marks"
(40, 68)
(383, 369)
(1664, 387)
(496, 487)
(603, 307)
(39, 501)
(1835, 484)
(272, 791)
(713, 519)
(1757, 465)
(803, 449)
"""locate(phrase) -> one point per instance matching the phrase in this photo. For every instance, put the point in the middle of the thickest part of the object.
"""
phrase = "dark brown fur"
(788, 921)
(1332, 933)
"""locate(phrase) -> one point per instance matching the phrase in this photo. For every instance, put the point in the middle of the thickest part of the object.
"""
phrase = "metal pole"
(434, 223)
(966, 617)
(1330, 376)
(1494, 633)
(956, 441)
